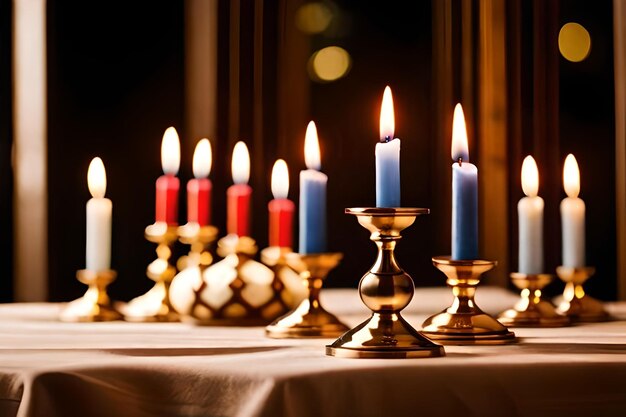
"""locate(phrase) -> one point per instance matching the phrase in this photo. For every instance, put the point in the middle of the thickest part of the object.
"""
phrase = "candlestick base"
(155, 306)
(386, 290)
(95, 305)
(531, 310)
(309, 319)
(236, 291)
(464, 323)
(577, 305)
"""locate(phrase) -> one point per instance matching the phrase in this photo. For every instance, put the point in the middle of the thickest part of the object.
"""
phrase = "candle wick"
(460, 161)
(387, 139)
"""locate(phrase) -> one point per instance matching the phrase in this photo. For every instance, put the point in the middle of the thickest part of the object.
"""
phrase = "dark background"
(116, 82)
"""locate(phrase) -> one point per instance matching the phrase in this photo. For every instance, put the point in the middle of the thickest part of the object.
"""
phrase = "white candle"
(99, 210)
(387, 157)
(572, 216)
(530, 214)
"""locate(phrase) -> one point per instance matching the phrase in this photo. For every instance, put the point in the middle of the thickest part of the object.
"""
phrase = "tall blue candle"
(312, 197)
(464, 193)
(387, 157)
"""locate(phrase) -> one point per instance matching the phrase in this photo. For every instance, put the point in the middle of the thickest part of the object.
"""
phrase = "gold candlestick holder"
(386, 290)
(286, 279)
(236, 291)
(200, 239)
(577, 305)
(95, 305)
(155, 306)
(464, 323)
(532, 310)
(309, 319)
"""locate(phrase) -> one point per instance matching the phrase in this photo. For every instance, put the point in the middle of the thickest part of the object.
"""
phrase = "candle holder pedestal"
(200, 239)
(236, 291)
(577, 305)
(531, 310)
(154, 306)
(386, 290)
(464, 323)
(95, 305)
(309, 319)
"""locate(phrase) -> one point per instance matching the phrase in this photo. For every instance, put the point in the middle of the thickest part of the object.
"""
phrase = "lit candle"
(167, 185)
(238, 195)
(280, 208)
(387, 157)
(530, 215)
(572, 216)
(199, 188)
(464, 193)
(99, 210)
(312, 197)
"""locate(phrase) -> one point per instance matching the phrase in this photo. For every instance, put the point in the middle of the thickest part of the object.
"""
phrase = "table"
(48, 368)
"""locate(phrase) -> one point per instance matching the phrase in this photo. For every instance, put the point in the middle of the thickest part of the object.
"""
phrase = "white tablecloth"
(48, 368)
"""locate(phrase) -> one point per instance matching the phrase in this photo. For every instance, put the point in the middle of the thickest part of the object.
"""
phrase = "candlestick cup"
(464, 323)
(309, 319)
(386, 290)
(95, 305)
(532, 310)
(155, 306)
(575, 303)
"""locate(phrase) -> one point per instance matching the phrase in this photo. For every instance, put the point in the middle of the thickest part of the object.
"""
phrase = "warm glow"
(387, 119)
(241, 163)
(97, 178)
(530, 177)
(313, 17)
(571, 177)
(312, 147)
(170, 151)
(280, 179)
(202, 159)
(574, 42)
(329, 64)
(460, 148)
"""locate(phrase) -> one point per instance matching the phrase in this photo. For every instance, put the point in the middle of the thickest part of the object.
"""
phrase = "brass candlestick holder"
(285, 277)
(464, 323)
(95, 305)
(309, 319)
(531, 310)
(577, 305)
(386, 289)
(200, 239)
(236, 291)
(154, 306)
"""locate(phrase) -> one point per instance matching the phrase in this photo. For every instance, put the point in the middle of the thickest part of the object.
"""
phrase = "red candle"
(238, 195)
(167, 185)
(280, 208)
(199, 188)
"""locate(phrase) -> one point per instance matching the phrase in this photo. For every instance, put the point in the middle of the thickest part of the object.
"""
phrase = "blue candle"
(464, 193)
(387, 157)
(312, 197)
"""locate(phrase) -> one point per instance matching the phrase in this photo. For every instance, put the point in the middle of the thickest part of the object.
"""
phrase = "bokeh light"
(574, 42)
(329, 64)
(313, 18)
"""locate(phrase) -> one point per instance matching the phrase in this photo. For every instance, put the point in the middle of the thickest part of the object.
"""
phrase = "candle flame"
(97, 178)
(170, 152)
(202, 159)
(571, 176)
(241, 163)
(460, 148)
(530, 177)
(280, 179)
(312, 147)
(387, 118)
